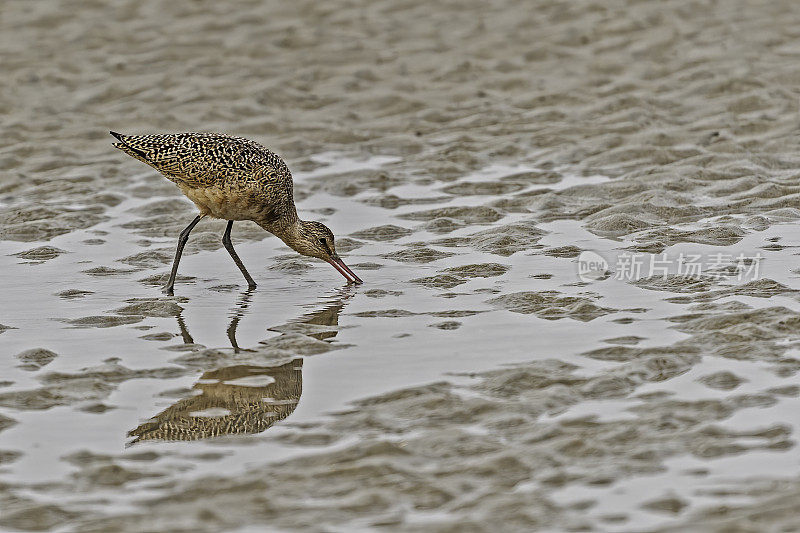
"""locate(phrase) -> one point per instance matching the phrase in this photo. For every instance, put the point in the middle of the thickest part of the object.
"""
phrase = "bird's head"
(314, 239)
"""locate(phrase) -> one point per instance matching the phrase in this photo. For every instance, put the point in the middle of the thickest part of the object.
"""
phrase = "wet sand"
(465, 154)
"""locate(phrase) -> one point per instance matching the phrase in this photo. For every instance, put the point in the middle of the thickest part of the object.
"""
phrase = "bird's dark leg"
(184, 236)
(226, 242)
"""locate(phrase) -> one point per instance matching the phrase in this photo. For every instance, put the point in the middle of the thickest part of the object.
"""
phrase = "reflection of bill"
(241, 399)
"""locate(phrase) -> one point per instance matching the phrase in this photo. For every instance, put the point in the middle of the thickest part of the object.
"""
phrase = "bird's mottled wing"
(165, 153)
(206, 159)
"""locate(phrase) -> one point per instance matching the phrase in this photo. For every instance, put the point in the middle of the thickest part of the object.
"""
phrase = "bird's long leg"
(226, 242)
(184, 236)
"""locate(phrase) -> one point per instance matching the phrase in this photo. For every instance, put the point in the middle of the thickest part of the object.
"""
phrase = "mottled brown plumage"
(233, 179)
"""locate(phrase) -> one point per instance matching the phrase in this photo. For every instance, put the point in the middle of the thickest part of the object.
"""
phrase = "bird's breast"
(225, 203)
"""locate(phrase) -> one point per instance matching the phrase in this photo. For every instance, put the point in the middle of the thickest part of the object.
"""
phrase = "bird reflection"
(233, 400)
(239, 399)
(243, 304)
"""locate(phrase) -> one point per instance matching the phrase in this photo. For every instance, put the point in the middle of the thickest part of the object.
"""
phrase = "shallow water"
(487, 169)
(262, 371)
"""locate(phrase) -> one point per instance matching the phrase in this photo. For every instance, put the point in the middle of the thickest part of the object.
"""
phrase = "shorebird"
(233, 179)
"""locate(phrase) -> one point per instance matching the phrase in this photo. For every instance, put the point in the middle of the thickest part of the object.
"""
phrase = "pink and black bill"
(344, 270)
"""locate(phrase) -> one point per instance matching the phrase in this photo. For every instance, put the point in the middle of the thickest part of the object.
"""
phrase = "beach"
(477, 162)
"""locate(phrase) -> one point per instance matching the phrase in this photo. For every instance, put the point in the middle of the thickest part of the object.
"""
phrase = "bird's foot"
(168, 291)
(240, 350)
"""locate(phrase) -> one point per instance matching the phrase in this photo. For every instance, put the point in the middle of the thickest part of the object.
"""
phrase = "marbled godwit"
(233, 179)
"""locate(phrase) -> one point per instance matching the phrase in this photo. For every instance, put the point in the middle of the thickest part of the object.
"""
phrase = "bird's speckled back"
(241, 169)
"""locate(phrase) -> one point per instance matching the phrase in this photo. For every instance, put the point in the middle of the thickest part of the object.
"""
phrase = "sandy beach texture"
(465, 153)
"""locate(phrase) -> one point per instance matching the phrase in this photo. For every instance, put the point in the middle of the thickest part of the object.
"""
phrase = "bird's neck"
(286, 229)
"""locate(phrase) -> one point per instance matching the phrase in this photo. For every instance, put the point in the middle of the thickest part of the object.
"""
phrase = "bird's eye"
(324, 242)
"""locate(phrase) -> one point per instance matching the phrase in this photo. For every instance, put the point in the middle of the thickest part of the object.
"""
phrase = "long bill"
(337, 263)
